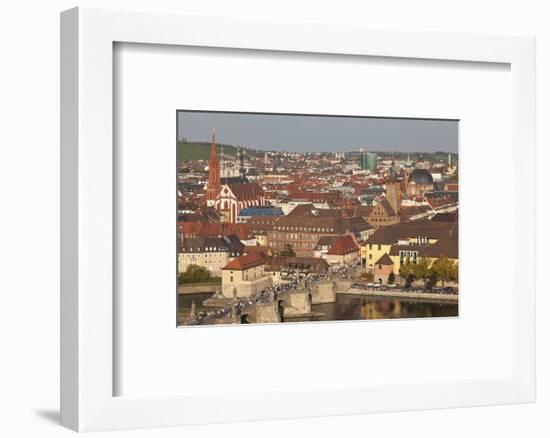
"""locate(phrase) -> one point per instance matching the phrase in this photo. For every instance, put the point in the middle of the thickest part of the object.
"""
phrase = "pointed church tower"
(242, 170)
(214, 185)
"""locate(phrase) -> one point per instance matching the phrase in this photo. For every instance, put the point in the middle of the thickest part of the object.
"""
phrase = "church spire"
(241, 163)
(213, 151)
(214, 183)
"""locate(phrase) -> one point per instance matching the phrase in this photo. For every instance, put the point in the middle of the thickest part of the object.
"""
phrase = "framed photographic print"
(306, 225)
(265, 228)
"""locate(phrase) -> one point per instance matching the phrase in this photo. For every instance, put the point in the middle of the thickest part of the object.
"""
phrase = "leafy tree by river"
(421, 270)
(442, 269)
(406, 270)
(197, 274)
(445, 270)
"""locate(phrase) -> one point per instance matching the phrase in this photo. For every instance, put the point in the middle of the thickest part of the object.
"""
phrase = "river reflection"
(353, 307)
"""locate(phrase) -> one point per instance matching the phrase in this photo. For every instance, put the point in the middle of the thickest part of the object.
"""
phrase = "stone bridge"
(296, 304)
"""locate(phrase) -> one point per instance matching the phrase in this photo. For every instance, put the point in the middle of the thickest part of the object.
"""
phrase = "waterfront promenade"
(401, 293)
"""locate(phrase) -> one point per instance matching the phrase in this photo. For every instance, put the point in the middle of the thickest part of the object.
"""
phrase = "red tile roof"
(245, 262)
(308, 210)
(263, 250)
(314, 196)
(344, 245)
(201, 229)
(246, 191)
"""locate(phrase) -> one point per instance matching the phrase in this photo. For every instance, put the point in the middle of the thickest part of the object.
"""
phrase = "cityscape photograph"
(286, 218)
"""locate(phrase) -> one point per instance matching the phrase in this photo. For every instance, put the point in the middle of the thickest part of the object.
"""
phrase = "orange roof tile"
(245, 262)
(344, 245)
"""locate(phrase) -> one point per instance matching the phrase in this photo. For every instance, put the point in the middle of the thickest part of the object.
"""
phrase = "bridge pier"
(267, 312)
(324, 293)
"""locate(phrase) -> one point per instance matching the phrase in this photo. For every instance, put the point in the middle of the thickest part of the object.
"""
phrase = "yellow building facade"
(370, 252)
(407, 242)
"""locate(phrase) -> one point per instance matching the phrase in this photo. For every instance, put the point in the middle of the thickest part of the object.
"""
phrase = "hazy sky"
(320, 133)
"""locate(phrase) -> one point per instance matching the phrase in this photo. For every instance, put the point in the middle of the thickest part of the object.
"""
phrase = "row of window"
(379, 219)
(217, 262)
(310, 229)
(295, 244)
(201, 254)
(299, 237)
(408, 256)
(205, 249)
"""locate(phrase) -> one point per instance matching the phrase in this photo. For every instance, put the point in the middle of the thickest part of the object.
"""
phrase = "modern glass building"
(369, 161)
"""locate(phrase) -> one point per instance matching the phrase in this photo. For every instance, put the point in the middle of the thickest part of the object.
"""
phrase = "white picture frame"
(87, 342)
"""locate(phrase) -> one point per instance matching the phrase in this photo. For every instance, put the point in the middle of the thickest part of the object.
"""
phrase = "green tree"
(432, 279)
(454, 272)
(421, 270)
(406, 270)
(444, 269)
(287, 251)
(195, 274)
(391, 278)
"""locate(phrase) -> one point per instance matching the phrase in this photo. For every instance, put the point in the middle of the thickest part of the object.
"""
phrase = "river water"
(353, 307)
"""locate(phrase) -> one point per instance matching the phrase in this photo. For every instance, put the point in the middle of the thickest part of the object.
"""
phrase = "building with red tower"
(230, 198)
(214, 184)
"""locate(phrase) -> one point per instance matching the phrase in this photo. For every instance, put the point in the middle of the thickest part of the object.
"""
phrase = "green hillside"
(201, 150)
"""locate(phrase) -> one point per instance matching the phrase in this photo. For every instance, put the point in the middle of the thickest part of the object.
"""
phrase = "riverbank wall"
(400, 294)
(199, 288)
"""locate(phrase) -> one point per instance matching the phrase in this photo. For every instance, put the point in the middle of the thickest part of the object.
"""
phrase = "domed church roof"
(421, 176)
